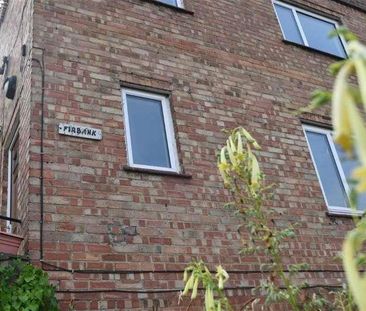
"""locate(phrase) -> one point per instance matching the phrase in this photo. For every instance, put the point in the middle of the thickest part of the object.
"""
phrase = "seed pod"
(255, 171)
(223, 155)
(222, 276)
(340, 109)
(230, 152)
(185, 276)
(195, 288)
(359, 132)
(240, 144)
(188, 286)
(360, 66)
(209, 300)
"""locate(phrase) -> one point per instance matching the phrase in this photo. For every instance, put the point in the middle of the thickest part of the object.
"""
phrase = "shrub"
(25, 287)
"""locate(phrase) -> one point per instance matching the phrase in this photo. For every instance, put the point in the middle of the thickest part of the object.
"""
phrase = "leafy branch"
(348, 102)
(240, 170)
(197, 274)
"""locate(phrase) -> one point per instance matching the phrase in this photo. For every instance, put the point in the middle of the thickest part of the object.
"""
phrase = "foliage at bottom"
(24, 287)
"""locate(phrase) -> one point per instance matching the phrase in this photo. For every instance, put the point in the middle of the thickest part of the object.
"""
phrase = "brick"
(225, 66)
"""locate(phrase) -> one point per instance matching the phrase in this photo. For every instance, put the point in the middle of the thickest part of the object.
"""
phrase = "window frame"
(337, 210)
(10, 198)
(168, 126)
(294, 9)
(180, 3)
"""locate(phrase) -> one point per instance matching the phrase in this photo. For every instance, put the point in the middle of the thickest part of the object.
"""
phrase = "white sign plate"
(79, 131)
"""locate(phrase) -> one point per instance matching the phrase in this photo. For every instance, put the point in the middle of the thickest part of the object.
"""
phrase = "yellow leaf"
(361, 187)
(223, 167)
(250, 138)
(230, 152)
(222, 276)
(195, 289)
(223, 155)
(185, 275)
(240, 144)
(189, 285)
(359, 132)
(232, 145)
(211, 301)
(340, 113)
(359, 174)
(360, 66)
(255, 171)
(356, 282)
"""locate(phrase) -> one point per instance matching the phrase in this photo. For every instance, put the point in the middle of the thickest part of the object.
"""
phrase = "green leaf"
(25, 287)
(345, 33)
(335, 67)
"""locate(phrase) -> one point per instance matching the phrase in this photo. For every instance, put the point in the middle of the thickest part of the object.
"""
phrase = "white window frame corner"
(332, 210)
(168, 126)
(180, 4)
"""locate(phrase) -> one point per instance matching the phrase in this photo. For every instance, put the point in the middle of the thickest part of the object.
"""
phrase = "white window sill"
(156, 172)
(345, 212)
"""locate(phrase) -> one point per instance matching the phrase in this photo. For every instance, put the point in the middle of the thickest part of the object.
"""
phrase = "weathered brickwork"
(357, 4)
(225, 65)
(16, 30)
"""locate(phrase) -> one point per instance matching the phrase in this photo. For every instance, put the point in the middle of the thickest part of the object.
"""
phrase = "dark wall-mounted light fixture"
(24, 50)
(10, 87)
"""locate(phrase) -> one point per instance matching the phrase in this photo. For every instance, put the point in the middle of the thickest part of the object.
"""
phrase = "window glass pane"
(288, 24)
(327, 170)
(348, 166)
(147, 130)
(171, 2)
(317, 34)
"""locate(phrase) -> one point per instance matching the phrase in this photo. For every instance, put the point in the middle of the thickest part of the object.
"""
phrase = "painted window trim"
(180, 3)
(9, 226)
(296, 9)
(333, 210)
(168, 125)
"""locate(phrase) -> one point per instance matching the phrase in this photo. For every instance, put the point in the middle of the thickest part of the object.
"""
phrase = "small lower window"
(149, 131)
(177, 3)
(334, 170)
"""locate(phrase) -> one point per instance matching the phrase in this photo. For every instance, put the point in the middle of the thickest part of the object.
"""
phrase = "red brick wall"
(357, 4)
(16, 30)
(225, 66)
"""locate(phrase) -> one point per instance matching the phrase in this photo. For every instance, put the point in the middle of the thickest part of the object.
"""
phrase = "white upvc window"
(177, 3)
(334, 170)
(149, 131)
(309, 29)
(12, 191)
